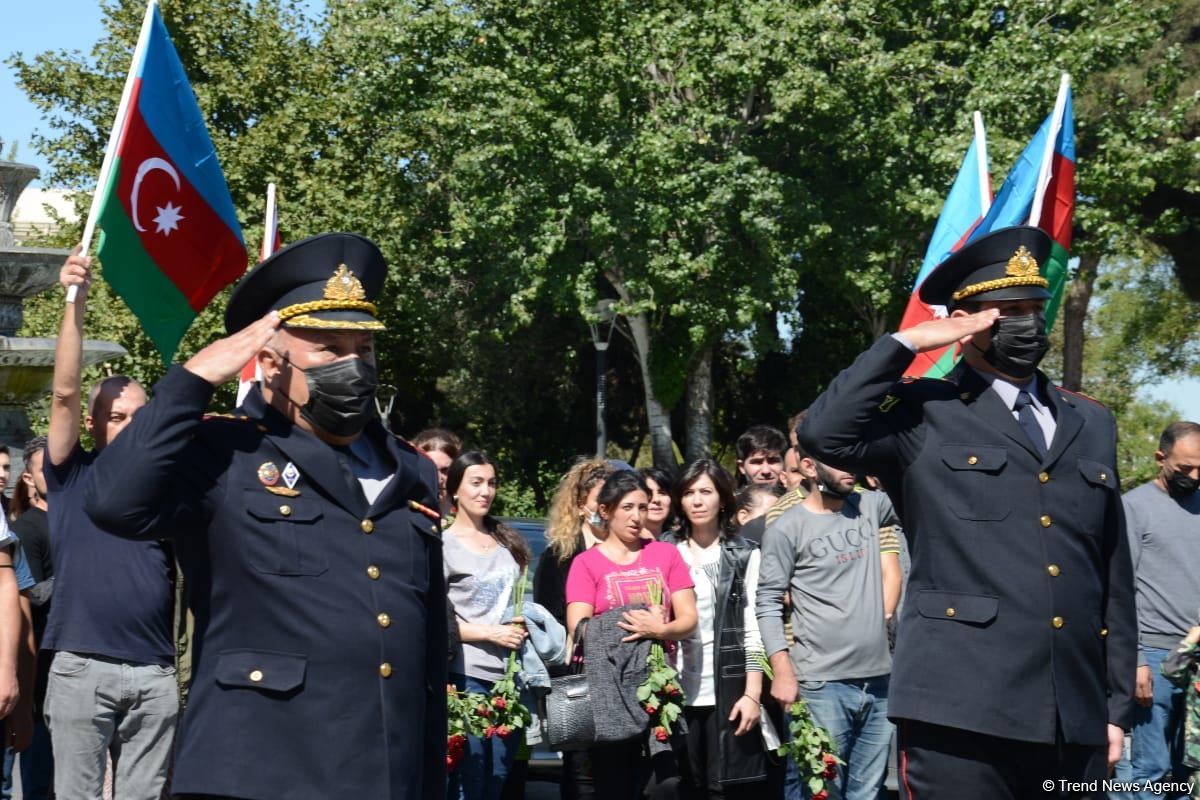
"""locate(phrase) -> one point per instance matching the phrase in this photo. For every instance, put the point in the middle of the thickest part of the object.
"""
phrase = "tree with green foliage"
(723, 171)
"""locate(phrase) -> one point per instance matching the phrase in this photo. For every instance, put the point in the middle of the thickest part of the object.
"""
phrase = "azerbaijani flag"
(171, 240)
(969, 199)
(1040, 190)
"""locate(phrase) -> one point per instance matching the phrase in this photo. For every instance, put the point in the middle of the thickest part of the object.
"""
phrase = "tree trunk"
(657, 417)
(700, 407)
(1075, 309)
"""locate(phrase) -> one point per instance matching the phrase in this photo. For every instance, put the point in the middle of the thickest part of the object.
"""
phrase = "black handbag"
(569, 721)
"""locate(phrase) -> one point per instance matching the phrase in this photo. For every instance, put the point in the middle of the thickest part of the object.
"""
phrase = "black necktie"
(1029, 423)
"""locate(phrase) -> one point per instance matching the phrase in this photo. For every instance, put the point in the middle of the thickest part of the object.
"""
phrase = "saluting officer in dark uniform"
(1015, 658)
(307, 536)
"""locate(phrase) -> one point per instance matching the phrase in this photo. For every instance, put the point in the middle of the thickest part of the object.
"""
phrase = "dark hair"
(4, 449)
(20, 496)
(760, 437)
(748, 496)
(32, 446)
(619, 484)
(724, 486)
(438, 440)
(664, 481)
(511, 540)
(1174, 432)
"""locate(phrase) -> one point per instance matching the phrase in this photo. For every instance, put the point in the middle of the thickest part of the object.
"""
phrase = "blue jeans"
(1156, 750)
(855, 714)
(37, 766)
(481, 773)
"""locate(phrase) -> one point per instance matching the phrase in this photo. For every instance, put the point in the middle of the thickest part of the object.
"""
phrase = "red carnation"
(660, 733)
(483, 710)
(503, 731)
(821, 795)
(490, 732)
(499, 703)
(651, 708)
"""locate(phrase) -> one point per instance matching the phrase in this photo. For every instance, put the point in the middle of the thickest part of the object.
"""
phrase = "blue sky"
(33, 27)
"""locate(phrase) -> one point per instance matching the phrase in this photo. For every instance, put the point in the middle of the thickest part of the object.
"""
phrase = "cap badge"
(344, 286)
(1022, 264)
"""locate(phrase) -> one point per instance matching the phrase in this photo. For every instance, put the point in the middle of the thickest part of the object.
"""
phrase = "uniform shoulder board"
(226, 417)
(421, 508)
(1069, 394)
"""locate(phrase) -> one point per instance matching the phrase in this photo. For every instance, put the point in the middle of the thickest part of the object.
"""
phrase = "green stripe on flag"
(159, 306)
(944, 364)
(1055, 271)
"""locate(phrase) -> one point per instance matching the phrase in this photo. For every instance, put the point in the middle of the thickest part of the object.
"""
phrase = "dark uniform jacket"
(320, 643)
(1019, 613)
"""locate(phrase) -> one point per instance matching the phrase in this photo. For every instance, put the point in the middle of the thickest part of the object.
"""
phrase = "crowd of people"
(947, 564)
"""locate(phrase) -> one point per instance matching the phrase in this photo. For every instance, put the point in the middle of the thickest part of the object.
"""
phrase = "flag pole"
(985, 175)
(270, 225)
(1060, 105)
(89, 228)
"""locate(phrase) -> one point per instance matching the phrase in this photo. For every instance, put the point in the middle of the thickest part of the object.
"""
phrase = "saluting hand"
(76, 271)
(224, 358)
(941, 332)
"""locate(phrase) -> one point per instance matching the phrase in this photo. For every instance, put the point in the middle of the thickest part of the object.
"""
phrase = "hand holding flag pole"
(89, 228)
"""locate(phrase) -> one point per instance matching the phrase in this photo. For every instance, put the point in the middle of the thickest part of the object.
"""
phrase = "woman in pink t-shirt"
(619, 571)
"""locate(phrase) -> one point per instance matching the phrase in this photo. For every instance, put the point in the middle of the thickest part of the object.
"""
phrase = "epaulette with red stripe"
(426, 510)
(1081, 394)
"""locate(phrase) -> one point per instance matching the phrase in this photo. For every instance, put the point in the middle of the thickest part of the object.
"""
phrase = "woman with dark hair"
(659, 518)
(483, 562)
(720, 663)
(622, 570)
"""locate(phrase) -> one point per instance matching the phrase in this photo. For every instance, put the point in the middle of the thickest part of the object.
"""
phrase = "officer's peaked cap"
(1006, 264)
(325, 282)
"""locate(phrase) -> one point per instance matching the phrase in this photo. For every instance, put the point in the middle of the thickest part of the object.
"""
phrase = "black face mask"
(1018, 345)
(340, 396)
(1181, 484)
(827, 484)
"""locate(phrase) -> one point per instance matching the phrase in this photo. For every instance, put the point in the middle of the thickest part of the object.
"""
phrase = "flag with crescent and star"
(171, 239)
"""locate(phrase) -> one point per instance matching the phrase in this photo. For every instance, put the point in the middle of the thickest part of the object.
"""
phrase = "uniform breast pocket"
(283, 535)
(973, 481)
(425, 537)
(1092, 499)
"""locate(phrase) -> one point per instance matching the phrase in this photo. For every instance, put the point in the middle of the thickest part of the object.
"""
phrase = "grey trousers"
(98, 707)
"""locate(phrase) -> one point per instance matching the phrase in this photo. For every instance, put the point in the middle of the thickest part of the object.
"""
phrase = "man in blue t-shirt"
(111, 690)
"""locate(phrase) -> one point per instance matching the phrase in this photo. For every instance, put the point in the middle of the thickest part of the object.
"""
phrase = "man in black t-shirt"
(111, 689)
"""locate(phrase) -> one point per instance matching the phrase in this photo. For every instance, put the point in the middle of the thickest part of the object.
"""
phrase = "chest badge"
(291, 475)
(268, 473)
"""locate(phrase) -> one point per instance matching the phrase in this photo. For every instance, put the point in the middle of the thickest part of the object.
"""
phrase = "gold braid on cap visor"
(999, 283)
(297, 315)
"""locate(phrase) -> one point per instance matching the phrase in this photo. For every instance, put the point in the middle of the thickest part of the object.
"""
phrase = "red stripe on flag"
(187, 241)
(1058, 208)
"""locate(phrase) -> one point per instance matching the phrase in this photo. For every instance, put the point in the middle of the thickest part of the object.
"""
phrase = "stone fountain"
(27, 365)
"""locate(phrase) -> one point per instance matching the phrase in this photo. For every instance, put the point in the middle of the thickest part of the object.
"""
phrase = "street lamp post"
(600, 338)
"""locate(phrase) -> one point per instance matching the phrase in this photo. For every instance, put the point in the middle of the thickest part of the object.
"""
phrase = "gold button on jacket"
(1057, 622)
(256, 675)
(1053, 570)
(1046, 521)
(385, 670)
(367, 526)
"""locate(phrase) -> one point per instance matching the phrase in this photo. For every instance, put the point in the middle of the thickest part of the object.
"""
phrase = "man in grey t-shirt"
(826, 551)
(1163, 520)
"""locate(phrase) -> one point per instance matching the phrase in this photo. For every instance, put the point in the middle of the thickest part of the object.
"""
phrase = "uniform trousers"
(940, 763)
